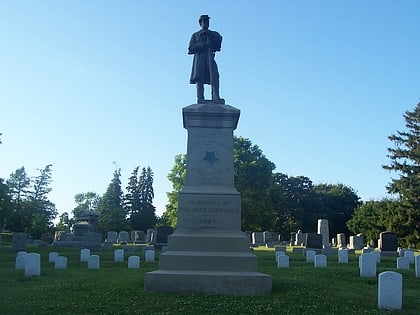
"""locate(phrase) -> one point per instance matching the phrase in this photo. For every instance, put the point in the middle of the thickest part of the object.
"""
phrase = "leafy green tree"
(65, 222)
(337, 204)
(253, 179)
(177, 177)
(139, 199)
(112, 216)
(43, 211)
(85, 202)
(405, 162)
(19, 189)
(6, 208)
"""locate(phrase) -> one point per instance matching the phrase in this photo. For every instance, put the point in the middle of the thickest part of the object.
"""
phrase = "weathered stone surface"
(390, 290)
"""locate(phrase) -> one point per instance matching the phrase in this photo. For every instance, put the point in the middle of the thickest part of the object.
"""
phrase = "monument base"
(190, 281)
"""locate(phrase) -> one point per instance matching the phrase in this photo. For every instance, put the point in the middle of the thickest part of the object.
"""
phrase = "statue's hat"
(203, 17)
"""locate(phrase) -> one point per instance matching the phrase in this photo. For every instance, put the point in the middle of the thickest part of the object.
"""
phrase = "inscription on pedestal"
(209, 212)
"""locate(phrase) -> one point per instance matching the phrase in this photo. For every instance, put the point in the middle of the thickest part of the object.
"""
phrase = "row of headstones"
(160, 235)
(315, 240)
(389, 284)
(31, 262)
(263, 238)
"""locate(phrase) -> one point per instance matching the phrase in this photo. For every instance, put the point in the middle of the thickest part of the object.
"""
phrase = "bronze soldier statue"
(203, 45)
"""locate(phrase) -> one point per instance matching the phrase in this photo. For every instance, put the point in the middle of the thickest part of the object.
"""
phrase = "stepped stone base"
(189, 281)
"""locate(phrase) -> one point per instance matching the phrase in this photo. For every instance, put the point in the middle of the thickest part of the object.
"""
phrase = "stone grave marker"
(112, 236)
(92, 240)
(390, 290)
(417, 265)
(138, 237)
(313, 240)
(300, 238)
(403, 263)
(268, 238)
(119, 255)
(257, 239)
(320, 261)
(162, 234)
(343, 256)
(149, 255)
(94, 262)
(341, 240)
(324, 230)
(123, 237)
(282, 261)
(367, 265)
(388, 243)
(410, 255)
(52, 256)
(60, 262)
(377, 255)
(357, 242)
(20, 260)
(133, 262)
(19, 241)
(149, 235)
(310, 256)
(32, 264)
(84, 254)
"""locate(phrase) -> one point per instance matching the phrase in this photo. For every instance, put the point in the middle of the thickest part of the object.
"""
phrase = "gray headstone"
(343, 256)
(310, 256)
(119, 255)
(133, 262)
(162, 233)
(320, 261)
(417, 266)
(92, 240)
(19, 241)
(112, 236)
(324, 230)
(403, 263)
(94, 262)
(410, 255)
(84, 254)
(149, 255)
(390, 290)
(32, 264)
(52, 256)
(367, 265)
(138, 237)
(388, 242)
(60, 262)
(123, 237)
(257, 238)
(20, 261)
(300, 238)
(149, 235)
(357, 242)
(283, 261)
(313, 240)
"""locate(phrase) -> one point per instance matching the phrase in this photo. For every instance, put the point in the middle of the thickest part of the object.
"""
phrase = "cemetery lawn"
(115, 289)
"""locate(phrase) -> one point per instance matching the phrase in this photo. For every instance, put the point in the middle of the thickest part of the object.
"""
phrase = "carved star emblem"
(210, 157)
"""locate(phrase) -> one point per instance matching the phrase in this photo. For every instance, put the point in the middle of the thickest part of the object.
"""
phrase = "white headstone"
(310, 256)
(320, 261)
(133, 262)
(390, 290)
(367, 265)
(119, 255)
(341, 240)
(324, 230)
(52, 256)
(343, 256)
(93, 262)
(417, 265)
(377, 256)
(32, 264)
(410, 255)
(403, 263)
(279, 254)
(283, 261)
(20, 261)
(60, 262)
(84, 254)
(149, 255)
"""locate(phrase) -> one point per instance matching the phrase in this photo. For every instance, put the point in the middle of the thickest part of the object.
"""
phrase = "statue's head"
(204, 21)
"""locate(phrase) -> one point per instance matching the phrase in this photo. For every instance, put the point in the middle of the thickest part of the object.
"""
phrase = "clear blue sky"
(320, 85)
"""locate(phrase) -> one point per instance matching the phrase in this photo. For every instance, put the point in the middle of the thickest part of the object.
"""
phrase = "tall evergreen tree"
(405, 162)
(6, 208)
(112, 216)
(86, 202)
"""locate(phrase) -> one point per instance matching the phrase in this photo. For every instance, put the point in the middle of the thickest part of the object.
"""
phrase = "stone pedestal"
(208, 252)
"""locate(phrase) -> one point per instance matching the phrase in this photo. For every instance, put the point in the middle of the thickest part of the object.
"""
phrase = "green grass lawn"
(115, 289)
